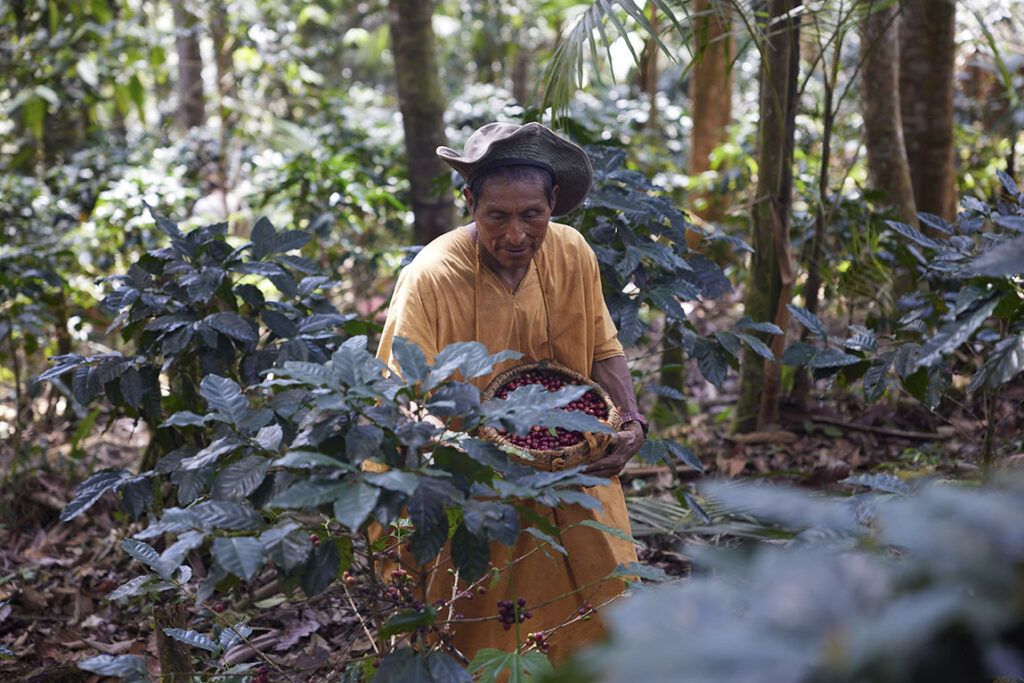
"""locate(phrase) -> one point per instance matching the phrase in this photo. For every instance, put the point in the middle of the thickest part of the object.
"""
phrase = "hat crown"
(568, 162)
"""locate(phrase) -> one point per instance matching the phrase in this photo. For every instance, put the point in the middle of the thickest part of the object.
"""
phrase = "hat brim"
(569, 164)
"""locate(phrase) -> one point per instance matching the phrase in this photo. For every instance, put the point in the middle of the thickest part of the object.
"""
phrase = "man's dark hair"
(512, 174)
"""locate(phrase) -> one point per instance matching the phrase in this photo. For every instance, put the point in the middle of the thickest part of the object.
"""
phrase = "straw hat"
(509, 144)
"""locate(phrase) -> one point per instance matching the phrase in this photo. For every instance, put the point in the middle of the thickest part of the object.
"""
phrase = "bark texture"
(888, 168)
(422, 103)
(927, 54)
(710, 87)
(191, 100)
(770, 283)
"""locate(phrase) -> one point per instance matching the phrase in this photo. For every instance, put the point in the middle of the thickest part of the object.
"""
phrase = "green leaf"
(408, 620)
(913, 234)
(242, 556)
(489, 663)
(880, 482)
(746, 323)
(223, 514)
(610, 530)
(876, 379)
(412, 363)
(85, 384)
(193, 638)
(470, 553)
(122, 666)
(491, 519)
(1004, 363)
(305, 494)
(225, 396)
(185, 418)
(210, 454)
(262, 237)
(143, 552)
(808, 320)
(230, 637)
(139, 586)
(322, 568)
(664, 450)
(757, 346)
(234, 325)
(287, 546)
(711, 360)
(354, 503)
(90, 490)
(641, 571)
(172, 557)
(832, 358)
(951, 335)
(240, 478)
(131, 387)
(406, 666)
(288, 240)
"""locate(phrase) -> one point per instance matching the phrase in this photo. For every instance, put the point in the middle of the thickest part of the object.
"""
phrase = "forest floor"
(54, 577)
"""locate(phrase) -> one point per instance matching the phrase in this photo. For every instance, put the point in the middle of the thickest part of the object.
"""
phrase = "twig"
(362, 622)
(885, 431)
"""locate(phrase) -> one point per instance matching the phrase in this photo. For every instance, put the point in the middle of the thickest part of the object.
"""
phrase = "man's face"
(511, 219)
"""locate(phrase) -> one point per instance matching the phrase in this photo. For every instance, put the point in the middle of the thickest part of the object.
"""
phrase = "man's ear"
(468, 196)
(554, 196)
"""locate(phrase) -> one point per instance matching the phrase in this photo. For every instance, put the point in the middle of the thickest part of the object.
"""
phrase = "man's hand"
(624, 446)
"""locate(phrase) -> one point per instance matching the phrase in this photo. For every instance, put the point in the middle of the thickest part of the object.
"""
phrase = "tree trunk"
(648, 70)
(888, 170)
(770, 282)
(422, 103)
(191, 101)
(711, 97)
(927, 54)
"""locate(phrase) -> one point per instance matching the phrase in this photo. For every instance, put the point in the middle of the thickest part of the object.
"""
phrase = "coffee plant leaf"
(242, 556)
(454, 399)
(405, 483)
(240, 478)
(408, 620)
(558, 497)
(886, 483)
(136, 495)
(545, 540)
(640, 571)
(172, 557)
(140, 585)
(262, 237)
(90, 490)
(756, 345)
(224, 395)
(209, 455)
(493, 520)
(305, 459)
(832, 358)
(913, 234)
(287, 546)
(666, 391)
(193, 638)
(490, 663)
(85, 384)
(430, 498)
(876, 379)
(469, 358)
(307, 493)
(407, 666)
(1004, 363)
(667, 450)
(131, 387)
(610, 530)
(269, 437)
(232, 636)
(144, 553)
(354, 503)
(746, 323)
(234, 326)
(223, 514)
(711, 360)
(322, 567)
(951, 335)
(429, 537)
(121, 666)
(808, 320)
(186, 418)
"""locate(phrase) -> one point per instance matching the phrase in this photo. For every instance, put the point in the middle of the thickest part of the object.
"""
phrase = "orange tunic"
(556, 312)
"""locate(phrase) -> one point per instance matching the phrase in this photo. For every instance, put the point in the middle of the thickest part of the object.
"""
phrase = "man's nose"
(516, 232)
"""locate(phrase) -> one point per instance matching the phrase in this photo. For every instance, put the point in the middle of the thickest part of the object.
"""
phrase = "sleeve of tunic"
(606, 339)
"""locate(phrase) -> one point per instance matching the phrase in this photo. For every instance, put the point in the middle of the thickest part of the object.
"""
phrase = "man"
(512, 279)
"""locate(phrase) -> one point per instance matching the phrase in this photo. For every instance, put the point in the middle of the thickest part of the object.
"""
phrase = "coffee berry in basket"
(558, 448)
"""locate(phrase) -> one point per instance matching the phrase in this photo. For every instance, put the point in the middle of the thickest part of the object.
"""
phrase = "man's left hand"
(624, 446)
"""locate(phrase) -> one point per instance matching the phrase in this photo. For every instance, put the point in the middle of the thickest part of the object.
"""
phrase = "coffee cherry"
(219, 607)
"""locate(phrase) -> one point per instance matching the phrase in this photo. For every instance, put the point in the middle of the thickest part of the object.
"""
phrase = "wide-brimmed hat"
(509, 144)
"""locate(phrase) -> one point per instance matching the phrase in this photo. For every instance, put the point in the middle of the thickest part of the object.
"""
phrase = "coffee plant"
(639, 237)
(903, 584)
(967, 321)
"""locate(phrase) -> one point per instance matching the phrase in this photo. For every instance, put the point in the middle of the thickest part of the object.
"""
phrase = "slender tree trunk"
(927, 55)
(770, 283)
(521, 75)
(648, 70)
(191, 100)
(711, 96)
(888, 169)
(422, 103)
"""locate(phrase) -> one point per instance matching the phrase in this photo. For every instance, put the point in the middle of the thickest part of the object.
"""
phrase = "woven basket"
(593, 446)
